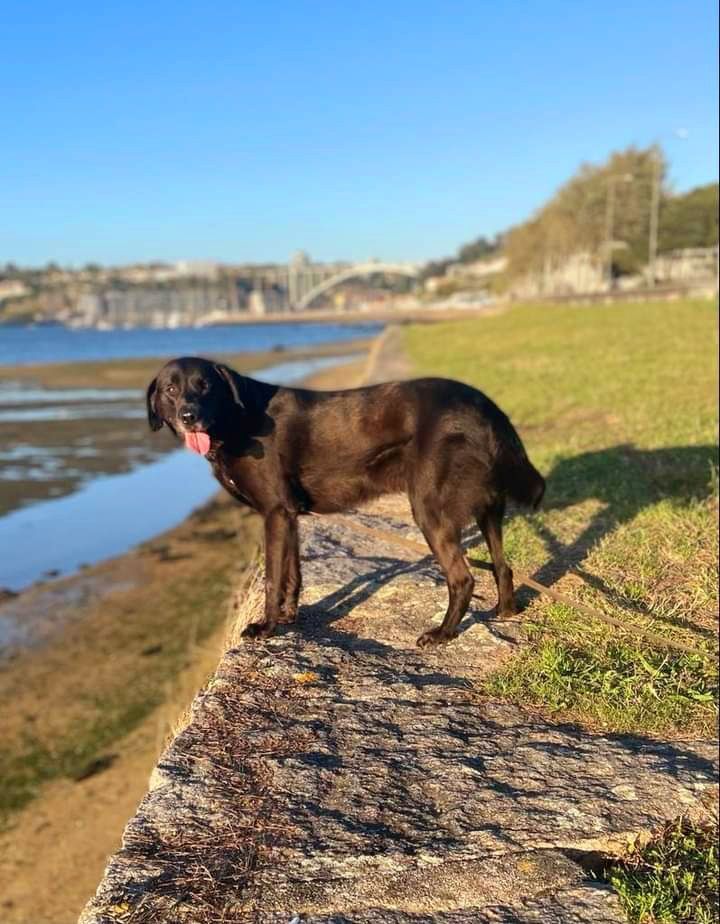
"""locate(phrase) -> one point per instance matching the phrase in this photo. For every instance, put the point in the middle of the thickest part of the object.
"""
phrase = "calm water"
(25, 345)
(105, 517)
(107, 514)
(80, 477)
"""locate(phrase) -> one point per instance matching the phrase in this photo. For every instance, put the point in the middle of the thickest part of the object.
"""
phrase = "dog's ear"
(155, 422)
(232, 380)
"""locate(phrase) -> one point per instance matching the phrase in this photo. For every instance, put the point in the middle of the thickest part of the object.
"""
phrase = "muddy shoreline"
(62, 424)
(135, 373)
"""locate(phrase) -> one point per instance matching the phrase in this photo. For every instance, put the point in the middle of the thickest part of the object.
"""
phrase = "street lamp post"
(654, 217)
(610, 219)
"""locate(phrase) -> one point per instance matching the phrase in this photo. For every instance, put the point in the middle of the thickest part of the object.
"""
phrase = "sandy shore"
(120, 650)
(136, 373)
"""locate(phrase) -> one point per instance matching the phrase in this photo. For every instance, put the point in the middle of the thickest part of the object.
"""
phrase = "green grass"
(617, 407)
(612, 685)
(673, 878)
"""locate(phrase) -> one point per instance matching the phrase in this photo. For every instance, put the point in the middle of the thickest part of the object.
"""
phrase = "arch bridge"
(410, 270)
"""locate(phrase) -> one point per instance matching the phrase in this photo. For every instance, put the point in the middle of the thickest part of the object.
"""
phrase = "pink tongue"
(198, 442)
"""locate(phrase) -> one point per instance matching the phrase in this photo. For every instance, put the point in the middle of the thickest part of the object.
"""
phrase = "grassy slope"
(617, 406)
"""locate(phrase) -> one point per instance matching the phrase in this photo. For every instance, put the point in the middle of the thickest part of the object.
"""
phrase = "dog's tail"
(520, 479)
(524, 483)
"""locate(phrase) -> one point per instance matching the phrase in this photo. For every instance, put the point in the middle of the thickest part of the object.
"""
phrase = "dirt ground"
(96, 698)
(52, 857)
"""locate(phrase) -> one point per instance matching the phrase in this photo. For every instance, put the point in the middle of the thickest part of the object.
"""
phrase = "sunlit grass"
(583, 673)
(617, 407)
(672, 879)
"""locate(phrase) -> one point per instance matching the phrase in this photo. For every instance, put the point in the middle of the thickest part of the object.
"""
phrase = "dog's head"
(192, 396)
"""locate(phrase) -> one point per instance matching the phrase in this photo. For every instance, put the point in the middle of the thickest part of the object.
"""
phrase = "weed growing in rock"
(673, 878)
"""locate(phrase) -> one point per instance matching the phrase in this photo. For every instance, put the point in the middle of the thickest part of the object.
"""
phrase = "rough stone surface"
(338, 773)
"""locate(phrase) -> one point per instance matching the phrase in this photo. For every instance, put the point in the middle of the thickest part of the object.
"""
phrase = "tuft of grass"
(248, 604)
(611, 684)
(673, 878)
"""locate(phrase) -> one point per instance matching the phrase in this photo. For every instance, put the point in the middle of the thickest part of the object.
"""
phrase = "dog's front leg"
(277, 543)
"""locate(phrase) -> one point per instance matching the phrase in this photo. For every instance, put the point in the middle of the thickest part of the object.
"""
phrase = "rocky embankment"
(336, 773)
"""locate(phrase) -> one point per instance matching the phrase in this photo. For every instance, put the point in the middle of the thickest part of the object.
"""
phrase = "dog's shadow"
(625, 481)
(381, 570)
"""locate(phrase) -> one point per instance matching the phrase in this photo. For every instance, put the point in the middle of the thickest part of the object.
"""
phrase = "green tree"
(689, 220)
(434, 268)
(575, 219)
(479, 248)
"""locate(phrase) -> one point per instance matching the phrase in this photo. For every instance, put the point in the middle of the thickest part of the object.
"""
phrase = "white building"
(12, 288)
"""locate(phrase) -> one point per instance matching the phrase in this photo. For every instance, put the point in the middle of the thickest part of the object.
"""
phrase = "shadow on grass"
(626, 481)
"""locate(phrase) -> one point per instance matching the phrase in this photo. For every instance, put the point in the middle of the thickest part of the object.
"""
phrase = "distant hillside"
(612, 197)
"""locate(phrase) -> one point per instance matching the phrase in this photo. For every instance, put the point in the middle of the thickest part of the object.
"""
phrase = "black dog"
(291, 451)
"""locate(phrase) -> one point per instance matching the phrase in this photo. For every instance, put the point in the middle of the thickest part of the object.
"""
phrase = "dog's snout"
(188, 416)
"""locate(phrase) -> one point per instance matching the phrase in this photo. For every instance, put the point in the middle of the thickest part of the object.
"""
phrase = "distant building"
(578, 273)
(266, 301)
(12, 288)
(145, 273)
(168, 306)
(584, 273)
(201, 269)
(479, 269)
(690, 264)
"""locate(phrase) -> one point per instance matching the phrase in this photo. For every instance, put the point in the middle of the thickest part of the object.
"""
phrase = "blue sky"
(398, 130)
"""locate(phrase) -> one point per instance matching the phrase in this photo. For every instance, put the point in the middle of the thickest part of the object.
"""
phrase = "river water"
(54, 344)
(81, 479)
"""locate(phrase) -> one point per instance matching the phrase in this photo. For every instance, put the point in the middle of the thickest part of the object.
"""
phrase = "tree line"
(605, 210)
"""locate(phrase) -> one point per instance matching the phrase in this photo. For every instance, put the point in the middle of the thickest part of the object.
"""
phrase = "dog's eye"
(202, 386)
(172, 390)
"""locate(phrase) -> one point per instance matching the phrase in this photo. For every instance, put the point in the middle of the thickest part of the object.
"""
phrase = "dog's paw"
(258, 630)
(507, 612)
(287, 619)
(434, 637)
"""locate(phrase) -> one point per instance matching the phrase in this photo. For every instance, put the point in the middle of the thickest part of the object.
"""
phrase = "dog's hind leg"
(292, 578)
(443, 537)
(490, 522)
